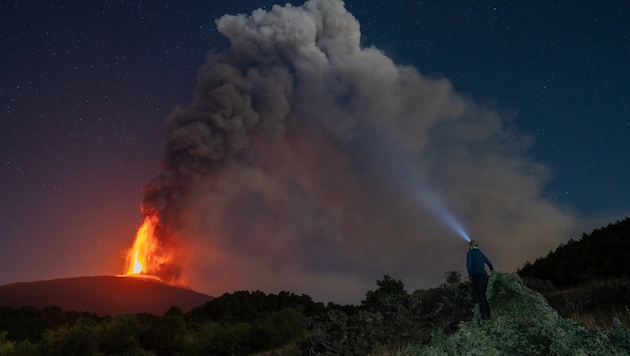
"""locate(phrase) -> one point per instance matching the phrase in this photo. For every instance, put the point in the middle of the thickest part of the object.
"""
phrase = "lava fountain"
(143, 257)
(140, 253)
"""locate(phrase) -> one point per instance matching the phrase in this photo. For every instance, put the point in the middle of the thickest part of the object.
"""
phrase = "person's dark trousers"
(480, 283)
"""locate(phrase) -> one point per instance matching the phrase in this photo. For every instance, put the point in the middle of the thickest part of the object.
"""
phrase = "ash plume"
(290, 169)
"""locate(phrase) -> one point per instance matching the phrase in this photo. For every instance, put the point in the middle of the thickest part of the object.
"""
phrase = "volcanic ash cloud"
(295, 165)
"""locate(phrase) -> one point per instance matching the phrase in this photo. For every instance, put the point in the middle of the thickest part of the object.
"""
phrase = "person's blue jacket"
(475, 260)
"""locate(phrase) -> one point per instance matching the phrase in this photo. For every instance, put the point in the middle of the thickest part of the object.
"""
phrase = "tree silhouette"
(389, 290)
(453, 277)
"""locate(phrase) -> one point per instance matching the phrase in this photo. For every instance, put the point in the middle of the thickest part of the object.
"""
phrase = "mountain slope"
(600, 255)
(103, 295)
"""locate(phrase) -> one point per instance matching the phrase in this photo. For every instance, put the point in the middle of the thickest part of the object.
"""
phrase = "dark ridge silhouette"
(600, 255)
(102, 295)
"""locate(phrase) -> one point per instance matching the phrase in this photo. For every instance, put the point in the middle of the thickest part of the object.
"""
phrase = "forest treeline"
(600, 255)
(238, 323)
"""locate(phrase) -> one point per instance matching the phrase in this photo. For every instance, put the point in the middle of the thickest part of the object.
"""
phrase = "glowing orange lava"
(140, 256)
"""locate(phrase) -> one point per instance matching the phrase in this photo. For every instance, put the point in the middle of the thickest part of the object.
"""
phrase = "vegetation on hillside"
(587, 280)
(600, 255)
(523, 323)
(233, 324)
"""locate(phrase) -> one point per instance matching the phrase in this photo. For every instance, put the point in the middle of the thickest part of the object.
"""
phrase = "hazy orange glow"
(141, 255)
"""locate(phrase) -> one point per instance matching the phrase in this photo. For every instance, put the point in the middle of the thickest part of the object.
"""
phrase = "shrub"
(221, 339)
(119, 335)
(80, 339)
(280, 327)
(389, 292)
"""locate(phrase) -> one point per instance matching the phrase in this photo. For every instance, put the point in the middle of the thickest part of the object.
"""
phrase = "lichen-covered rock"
(508, 296)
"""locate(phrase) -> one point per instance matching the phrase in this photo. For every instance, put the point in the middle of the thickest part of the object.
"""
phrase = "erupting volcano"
(144, 254)
(150, 257)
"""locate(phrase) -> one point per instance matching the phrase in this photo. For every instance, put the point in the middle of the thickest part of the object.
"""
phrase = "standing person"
(475, 260)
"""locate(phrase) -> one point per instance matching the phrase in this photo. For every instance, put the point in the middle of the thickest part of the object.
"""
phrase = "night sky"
(514, 116)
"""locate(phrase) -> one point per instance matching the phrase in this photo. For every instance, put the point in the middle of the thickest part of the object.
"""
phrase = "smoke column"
(304, 160)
